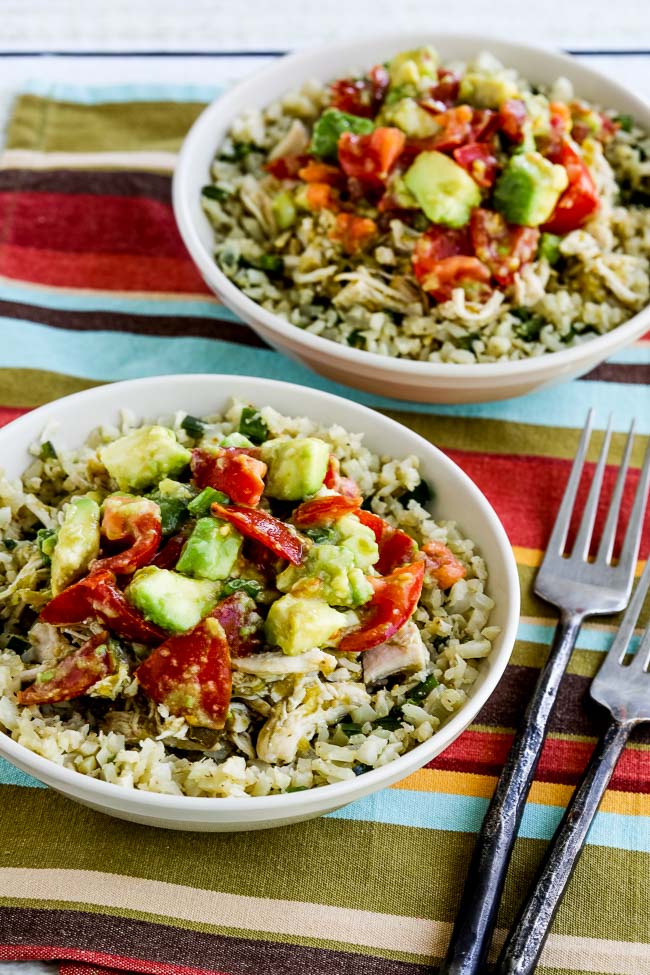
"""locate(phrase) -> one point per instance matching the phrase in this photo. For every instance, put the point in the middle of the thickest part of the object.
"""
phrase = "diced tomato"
(447, 88)
(237, 471)
(437, 243)
(72, 675)
(191, 675)
(98, 596)
(393, 603)
(130, 519)
(608, 128)
(485, 123)
(361, 96)
(352, 232)
(443, 565)
(370, 158)
(241, 623)
(395, 546)
(479, 161)
(264, 528)
(503, 247)
(560, 119)
(321, 196)
(320, 172)
(287, 167)
(324, 511)
(264, 560)
(468, 273)
(455, 127)
(580, 199)
(512, 117)
(335, 481)
(170, 553)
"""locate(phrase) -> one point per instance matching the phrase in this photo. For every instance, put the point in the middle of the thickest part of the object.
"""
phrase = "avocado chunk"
(171, 600)
(443, 189)
(329, 573)
(331, 126)
(143, 457)
(359, 540)
(411, 118)
(418, 67)
(297, 623)
(296, 468)
(211, 550)
(486, 89)
(236, 440)
(528, 189)
(77, 543)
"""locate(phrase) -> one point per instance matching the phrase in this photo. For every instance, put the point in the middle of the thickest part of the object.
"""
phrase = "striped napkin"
(95, 286)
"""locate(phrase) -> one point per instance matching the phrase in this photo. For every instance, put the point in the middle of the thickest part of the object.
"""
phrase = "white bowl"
(457, 497)
(425, 382)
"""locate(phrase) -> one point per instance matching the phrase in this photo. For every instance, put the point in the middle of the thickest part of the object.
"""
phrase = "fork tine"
(583, 540)
(625, 632)
(641, 658)
(563, 517)
(632, 541)
(606, 546)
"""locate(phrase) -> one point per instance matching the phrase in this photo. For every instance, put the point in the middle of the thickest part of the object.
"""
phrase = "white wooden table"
(209, 42)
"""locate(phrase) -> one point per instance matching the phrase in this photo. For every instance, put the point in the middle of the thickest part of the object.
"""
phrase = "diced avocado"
(329, 573)
(211, 550)
(443, 189)
(528, 189)
(296, 624)
(77, 543)
(358, 539)
(236, 440)
(331, 126)
(168, 488)
(418, 67)
(486, 90)
(296, 468)
(201, 504)
(143, 457)
(171, 600)
(411, 118)
(283, 209)
(549, 248)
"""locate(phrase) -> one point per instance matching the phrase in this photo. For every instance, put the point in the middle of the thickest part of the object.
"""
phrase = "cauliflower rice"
(311, 716)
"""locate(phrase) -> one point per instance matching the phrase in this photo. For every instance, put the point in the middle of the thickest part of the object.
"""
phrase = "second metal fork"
(579, 588)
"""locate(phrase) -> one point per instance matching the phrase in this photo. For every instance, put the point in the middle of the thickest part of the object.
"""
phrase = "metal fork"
(579, 588)
(625, 692)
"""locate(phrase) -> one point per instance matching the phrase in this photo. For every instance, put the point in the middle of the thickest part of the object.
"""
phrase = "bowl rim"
(183, 188)
(332, 793)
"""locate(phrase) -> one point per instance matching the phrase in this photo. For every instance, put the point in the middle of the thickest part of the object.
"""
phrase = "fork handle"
(523, 947)
(470, 939)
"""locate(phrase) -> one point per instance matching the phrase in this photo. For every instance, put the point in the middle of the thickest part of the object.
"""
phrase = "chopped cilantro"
(270, 263)
(320, 535)
(173, 512)
(219, 193)
(47, 451)
(201, 504)
(193, 426)
(529, 325)
(626, 122)
(360, 768)
(46, 540)
(422, 690)
(239, 151)
(251, 587)
(296, 788)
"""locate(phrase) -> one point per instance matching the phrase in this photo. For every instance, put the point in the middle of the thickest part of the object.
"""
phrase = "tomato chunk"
(335, 481)
(320, 172)
(479, 161)
(191, 675)
(443, 565)
(468, 273)
(352, 232)
(580, 199)
(237, 471)
(361, 96)
(287, 167)
(130, 519)
(512, 118)
(446, 90)
(98, 596)
(393, 603)
(321, 196)
(324, 511)
(503, 247)
(395, 546)
(436, 244)
(264, 528)
(73, 675)
(370, 158)
(241, 623)
(455, 127)
(170, 553)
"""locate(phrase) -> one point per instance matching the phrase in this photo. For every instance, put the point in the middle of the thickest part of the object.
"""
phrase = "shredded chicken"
(366, 289)
(258, 203)
(294, 143)
(404, 652)
(279, 664)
